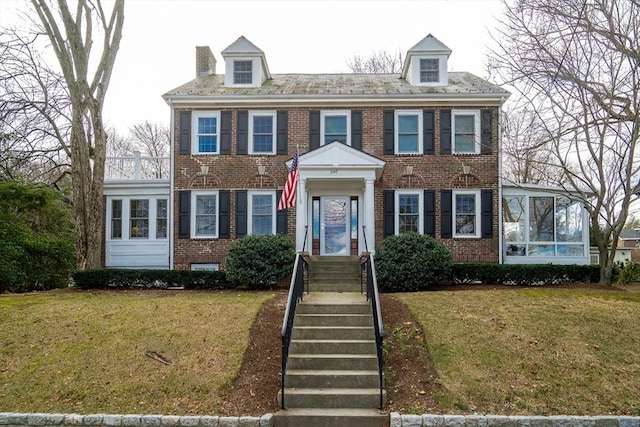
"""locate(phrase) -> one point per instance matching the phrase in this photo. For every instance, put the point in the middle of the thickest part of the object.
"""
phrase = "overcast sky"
(157, 51)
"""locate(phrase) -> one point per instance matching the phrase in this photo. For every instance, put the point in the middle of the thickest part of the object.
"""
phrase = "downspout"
(500, 216)
(171, 183)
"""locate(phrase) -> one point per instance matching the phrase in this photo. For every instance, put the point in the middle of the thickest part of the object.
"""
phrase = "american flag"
(288, 197)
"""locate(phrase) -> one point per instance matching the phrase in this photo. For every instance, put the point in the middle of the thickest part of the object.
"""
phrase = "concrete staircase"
(332, 374)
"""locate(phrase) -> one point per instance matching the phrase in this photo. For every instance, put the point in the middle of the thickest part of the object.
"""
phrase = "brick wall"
(436, 172)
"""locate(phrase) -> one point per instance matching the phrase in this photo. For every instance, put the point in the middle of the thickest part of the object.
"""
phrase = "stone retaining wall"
(399, 420)
(12, 419)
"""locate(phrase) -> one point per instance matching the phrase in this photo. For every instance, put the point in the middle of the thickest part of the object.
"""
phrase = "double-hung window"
(408, 211)
(261, 136)
(335, 126)
(116, 219)
(466, 131)
(429, 70)
(204, 214)
(205, 128)
(161, 218)
(466, 213)
(262, 212)
(139, 218)
(408, 137)
(242, 72)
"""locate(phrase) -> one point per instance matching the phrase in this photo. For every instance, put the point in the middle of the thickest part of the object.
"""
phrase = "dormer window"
(429, 70)
(242, 72)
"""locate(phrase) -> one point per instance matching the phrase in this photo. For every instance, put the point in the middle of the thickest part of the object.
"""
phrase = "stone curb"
(400, 420)
(13, 419)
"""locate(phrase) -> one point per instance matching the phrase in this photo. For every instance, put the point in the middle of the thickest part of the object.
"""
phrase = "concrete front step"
(332, 332)
(301, 378)
(331, 418)
(353, 398)
(332, 320)
(333, 346)
(355, 362)
(319, 287)
(307, 308)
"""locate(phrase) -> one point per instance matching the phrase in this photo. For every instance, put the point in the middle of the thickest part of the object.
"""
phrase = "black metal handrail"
(296, 292)
(373, 297)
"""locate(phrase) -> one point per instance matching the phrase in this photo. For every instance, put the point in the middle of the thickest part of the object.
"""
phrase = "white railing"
(136, 167)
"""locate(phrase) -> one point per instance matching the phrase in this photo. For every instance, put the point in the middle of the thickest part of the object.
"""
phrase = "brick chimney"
(205, 61)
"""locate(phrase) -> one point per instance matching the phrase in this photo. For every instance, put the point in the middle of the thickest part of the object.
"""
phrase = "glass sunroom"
(541, 225)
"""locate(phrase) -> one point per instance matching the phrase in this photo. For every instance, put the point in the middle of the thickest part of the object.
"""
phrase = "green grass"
(85, 352)
(533, 351)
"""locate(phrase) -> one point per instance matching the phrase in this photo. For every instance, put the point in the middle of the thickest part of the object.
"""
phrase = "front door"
(334, 226)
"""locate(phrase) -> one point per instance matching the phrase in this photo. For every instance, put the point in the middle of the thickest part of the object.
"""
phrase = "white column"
(301, 215)
(369, 214)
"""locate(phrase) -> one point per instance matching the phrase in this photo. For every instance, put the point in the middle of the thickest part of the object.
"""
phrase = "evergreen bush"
(411, 262)
(260, 261)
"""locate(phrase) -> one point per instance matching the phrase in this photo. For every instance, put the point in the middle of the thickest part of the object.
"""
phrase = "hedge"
(525, 274)
(112, 278)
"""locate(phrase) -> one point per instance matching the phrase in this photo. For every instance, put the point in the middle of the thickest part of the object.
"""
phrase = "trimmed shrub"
(525, 274)
(114, 278)
(260, 261)
(411, 262)
(629, 272)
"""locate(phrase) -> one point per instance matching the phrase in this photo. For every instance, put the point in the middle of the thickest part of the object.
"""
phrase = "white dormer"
(426, 63)
(245, 64)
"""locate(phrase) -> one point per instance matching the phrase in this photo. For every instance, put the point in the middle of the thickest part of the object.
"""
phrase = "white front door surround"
(339, 171)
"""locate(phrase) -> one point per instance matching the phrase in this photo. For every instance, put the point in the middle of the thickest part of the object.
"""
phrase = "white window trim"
(194, 131)
(274, 141)
(333, 113)
(126, 218)
(476, 193)
(414, 73)
(255, 71)
(437, 70)
(193, 209)
(477, 129)
(396, 136)
(250, 195)
(396, 213)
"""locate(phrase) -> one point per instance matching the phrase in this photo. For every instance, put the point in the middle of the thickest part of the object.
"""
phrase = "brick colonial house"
(379, 154)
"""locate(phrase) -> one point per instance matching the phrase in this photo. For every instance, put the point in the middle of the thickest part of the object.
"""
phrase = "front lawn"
(533, 351)
(86, 352)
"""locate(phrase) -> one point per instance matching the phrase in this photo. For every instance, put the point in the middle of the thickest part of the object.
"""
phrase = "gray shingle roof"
(294, 85)
(627, 234)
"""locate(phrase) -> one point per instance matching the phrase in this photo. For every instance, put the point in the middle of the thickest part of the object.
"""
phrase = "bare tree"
(34, 113)
(87, 79)
(576, 64)
(153, 140)
(381, 62)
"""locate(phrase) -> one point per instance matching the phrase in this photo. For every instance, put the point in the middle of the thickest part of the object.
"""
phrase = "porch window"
(116, 219)
(262, 124)
(204, 221)
(139, 218)
(262, 213)
(335, 126)
(408, 132)
(408, 212)
(466, 208)
(242, 72)
(161, 219)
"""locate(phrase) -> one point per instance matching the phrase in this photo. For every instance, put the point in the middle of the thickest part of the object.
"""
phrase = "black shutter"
(224, 214)
(281, 216)
(184, 214)
(486, 213)
(445, 131)
(225, 132)
(388, 208)
(283, 132)
(389, 131)
(356, 130)
(241, 213)
(430, 213)
(486, 132)
(446, 214)
(314, 129)
(429, 124)
(185, 132)
(242, 133)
